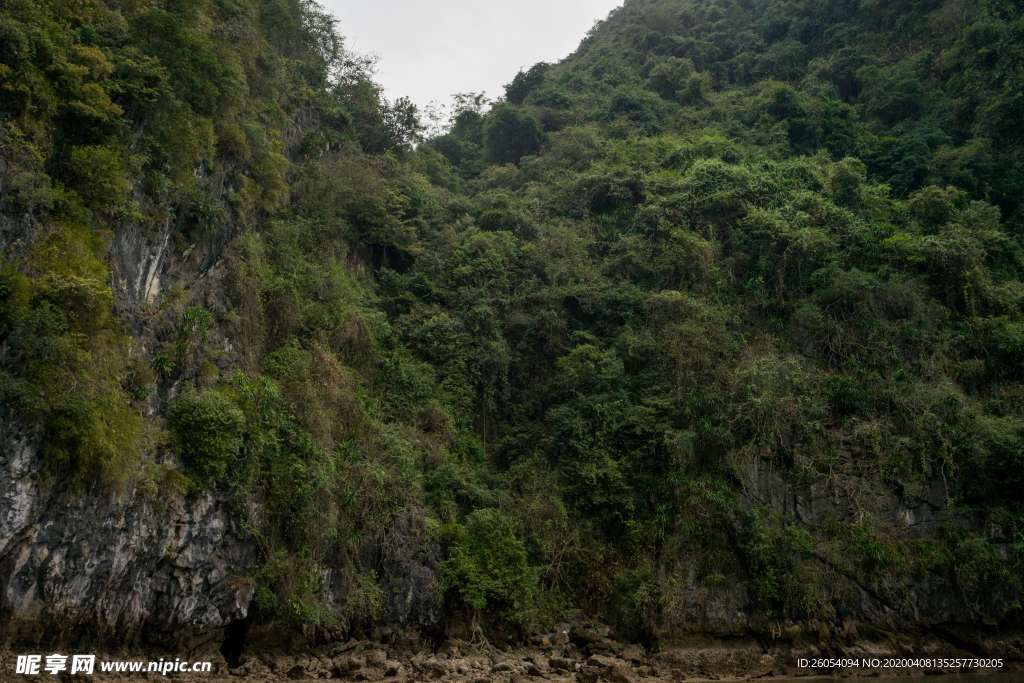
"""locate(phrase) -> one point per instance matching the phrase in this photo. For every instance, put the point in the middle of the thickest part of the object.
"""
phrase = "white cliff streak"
(153, 276)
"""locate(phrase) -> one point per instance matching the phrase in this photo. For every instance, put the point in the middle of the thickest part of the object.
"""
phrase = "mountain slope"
(759, 303)
(713, 326)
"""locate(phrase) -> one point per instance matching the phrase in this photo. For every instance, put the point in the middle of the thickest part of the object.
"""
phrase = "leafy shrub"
(637, 106)
(286, 589)
(98, 174)
(525, 82)
(487, 565)
(670, 76)
(846, 395)
(365, 598)
(208, 429)
(193, 327)
(510, 134)
(786, 579)
(96, 436)
(407, 383)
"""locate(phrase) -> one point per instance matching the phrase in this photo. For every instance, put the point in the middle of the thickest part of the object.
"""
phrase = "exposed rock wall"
(139, 567)
(81, 567)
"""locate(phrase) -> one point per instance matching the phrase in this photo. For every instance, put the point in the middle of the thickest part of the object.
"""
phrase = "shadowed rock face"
(130, 572)
(81, 567)
(865, 604)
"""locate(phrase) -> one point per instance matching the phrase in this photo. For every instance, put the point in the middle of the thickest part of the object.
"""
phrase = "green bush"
(487, 565)
(525, 82)
(786, 580)
(288, 588)
(98, 174)
(208, 429)
(365, 598)
(510, 134)
(669, 76)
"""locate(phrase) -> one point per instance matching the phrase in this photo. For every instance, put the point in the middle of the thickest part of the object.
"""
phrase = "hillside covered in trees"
(715, 324)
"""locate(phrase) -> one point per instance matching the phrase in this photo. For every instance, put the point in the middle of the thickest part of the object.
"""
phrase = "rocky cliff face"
(142, 566)
(135, 572)
(81, 568)
(149, 567)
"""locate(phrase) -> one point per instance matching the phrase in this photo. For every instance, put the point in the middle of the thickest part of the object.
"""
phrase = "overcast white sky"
(430, 49)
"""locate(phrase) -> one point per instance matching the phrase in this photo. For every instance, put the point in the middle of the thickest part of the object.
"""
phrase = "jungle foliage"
(567, 336)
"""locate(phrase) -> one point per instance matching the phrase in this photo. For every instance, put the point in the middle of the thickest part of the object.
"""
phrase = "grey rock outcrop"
(79, 567)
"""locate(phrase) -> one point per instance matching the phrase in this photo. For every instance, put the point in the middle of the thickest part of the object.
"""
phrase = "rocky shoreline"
(621, 663)
(591, 656)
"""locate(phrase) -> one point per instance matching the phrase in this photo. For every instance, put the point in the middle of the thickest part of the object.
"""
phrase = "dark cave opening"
(234, 641)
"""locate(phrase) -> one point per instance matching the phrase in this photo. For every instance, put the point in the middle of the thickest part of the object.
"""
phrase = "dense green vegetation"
(571, 333)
